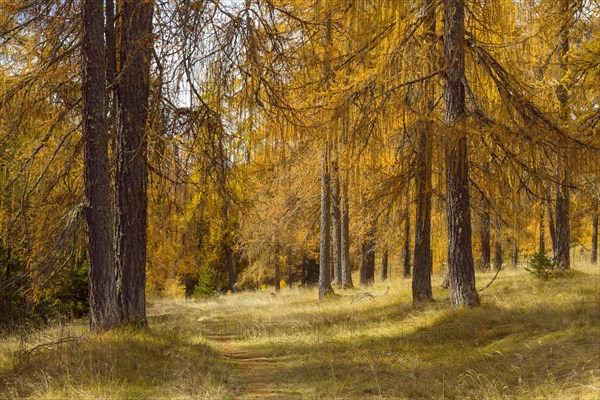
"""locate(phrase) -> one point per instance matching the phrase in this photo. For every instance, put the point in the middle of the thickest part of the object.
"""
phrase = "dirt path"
(254, 375)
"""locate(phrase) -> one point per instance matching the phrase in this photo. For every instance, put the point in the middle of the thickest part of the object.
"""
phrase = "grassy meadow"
(530, 339)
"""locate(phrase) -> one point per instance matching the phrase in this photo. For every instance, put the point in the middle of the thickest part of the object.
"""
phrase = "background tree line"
(221, 146)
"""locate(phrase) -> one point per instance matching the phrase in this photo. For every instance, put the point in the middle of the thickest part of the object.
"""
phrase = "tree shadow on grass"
(488, 352)
(121, 364)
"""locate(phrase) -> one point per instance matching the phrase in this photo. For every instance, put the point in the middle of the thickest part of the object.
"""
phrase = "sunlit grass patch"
(157, 363)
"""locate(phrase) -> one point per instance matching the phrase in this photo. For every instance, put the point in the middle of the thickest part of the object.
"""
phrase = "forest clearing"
(530, 339)
(312, 199)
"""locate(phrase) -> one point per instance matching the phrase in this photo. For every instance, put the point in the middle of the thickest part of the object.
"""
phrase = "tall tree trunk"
(336, 222)
(230, 266)
(406, 245)
(384, 265)
(345, 237)
(563, 229)
(515, 253)
(542, 234)
(486, 253)
(594, 255)
(367, 262)
(304, 261)
(497, 247)
(422, 259)
(460, 251)
(98, 210)
(551, 226)
(325, 245)
(324, 255)
(367, 254)
(131, 180)
(277, 263)
(345, 215)
(289, 264)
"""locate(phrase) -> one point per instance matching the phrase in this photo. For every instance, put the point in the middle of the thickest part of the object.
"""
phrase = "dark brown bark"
(336, 222)
(384, 265)
(111, 73)
(497, 247)
(230, 265)
(562, 254)
(345, 216)
(406, 245)
(345, 238)
(460, 252)
(290, 270)
(277, 263)
(111, 41)
(131, 180)
(485, 236)
(304, 261)
(423, 264)
(367, 262)
(422, 259)
(98, 211)
(594, 254)
(542, 234)
(551, 226)
(515, 254)
(324, 252)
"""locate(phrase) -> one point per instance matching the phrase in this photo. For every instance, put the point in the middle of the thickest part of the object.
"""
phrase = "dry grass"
(530, 339)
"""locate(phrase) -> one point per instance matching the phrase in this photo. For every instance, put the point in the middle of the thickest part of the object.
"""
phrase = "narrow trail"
(254, 375)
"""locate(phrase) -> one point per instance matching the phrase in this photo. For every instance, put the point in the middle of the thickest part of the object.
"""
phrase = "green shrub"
(205, 286)
(540, 266)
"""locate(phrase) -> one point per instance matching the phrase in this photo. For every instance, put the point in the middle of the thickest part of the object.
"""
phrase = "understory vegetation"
(530, 339)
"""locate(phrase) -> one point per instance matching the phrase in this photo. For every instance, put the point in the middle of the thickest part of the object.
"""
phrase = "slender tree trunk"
(406, 245)
(367, 262)
(367, 254)
(497, 247)
(345, 216)
(384, 265)
(563, 229)
(446, 281)
(98, 211)
(345, 238)
(485, 262)
(277, 272)
(515, 253)
(336, 221)
(324, 255)
(542, 234)
(230, 265)
(131, 177)
(594, 255)
(422, 258)
(303, 269)
(289, 264)
(460, 251)
(551, 226)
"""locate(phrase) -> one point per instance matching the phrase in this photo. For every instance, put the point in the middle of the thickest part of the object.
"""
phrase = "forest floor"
(530, 339)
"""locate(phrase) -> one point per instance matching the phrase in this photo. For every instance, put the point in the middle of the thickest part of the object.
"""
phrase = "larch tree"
(325, 235)
(422, 259)
(460, 253)
(563, 229)
(104, 313)
(131, 175)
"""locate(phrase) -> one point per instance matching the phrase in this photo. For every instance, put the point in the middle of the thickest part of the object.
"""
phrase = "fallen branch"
(492, 281)
(20, 354)
(363, 295)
